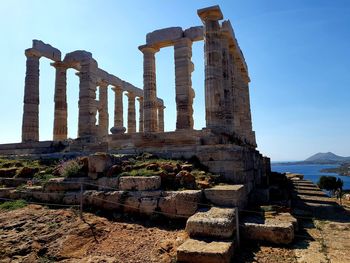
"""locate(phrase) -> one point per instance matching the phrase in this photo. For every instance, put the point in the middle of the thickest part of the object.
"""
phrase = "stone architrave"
(30, 123)
(118, 111)
(87, 99)
(140, 99)
(149, 88)
(214, 92)
(183, 82)
(131, 113)
(161, 108)
(60, 127)
(103, 109)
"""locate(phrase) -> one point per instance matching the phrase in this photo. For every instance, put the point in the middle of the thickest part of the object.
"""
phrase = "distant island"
(322, 158)
(343, 169)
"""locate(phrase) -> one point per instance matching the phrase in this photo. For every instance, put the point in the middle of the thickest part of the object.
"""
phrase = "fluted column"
(140, 99)
(30, 122)
(184, 94)
(103, 109)
(214, 92)
(249, 133)
(87, 100)
(161, 108)
(227, 83)
(131, 112)
(118, 111)
(149, 88)
(60, 127)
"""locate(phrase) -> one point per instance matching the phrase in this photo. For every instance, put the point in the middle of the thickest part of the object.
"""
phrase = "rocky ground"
(39, 234)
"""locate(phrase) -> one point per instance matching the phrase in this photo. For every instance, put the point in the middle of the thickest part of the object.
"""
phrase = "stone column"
(184, 94)
(131, 113)
(60, 127)
(239, 122)
(247, 117)
(161, 108)
(103, 109)
(227, 82)
(140, 99)
(149, 88)
(30, 122)
(87, 100)
(214, 92)
(118, 111)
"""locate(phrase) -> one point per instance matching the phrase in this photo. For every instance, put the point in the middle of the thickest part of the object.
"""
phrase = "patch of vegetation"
(330, 183)
(70, 168)
(13, 205)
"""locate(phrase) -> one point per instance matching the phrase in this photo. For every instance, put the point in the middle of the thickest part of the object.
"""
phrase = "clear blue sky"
(298, 54)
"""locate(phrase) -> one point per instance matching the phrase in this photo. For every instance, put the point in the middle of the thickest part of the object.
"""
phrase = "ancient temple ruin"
(226, 145)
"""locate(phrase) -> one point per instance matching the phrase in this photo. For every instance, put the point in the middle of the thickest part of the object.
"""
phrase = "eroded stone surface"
(227, 195)
(194, 251)
(139, 183)
(215, 223)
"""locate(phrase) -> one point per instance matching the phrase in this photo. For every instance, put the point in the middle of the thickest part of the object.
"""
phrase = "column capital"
(130, 94)
(140, 99)
(210, 13)
(117, 88)
(148, 49)
(31, 52)
(103, 84)
(59, 64)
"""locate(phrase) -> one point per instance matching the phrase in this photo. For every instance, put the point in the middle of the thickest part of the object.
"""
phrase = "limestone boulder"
(180, 203)
(195, 251)
(139, 183)
(99, 164)
(227, 195)
(8, 172)
(214, 222)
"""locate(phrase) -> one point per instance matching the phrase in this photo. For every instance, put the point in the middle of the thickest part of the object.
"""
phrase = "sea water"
(311, 172)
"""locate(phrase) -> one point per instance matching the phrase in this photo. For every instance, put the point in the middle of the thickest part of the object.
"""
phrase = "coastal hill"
(328, 157)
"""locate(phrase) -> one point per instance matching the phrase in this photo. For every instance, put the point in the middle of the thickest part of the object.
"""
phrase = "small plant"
(12, 205)
(69, 168)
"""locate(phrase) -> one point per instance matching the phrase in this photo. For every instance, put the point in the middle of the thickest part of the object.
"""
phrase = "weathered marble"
(149, 88)
(183, 83)
(30, 123)
(131, 113)
(118, 111)
(103, 116)
(60, 127)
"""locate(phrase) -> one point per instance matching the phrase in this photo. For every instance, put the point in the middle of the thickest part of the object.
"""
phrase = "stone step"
(214, 222)
(227, 195)
(195, 251)
(277, 229)
(139, 183)
(68, 184)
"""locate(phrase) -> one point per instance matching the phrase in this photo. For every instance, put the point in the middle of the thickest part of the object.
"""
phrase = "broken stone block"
(194, 251)
(99, 164)
(194, 33)
(103, 200)
(227, 195)
(139, 183)
(276, 230)
(214, 222)
(180, 203)
(67, 184)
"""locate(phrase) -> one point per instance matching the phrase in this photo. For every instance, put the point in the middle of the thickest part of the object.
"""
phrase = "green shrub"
(70, 168)
(12, 205)
(330, 183)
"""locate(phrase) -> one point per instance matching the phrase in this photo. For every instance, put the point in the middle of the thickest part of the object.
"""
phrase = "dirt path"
(38, 234)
